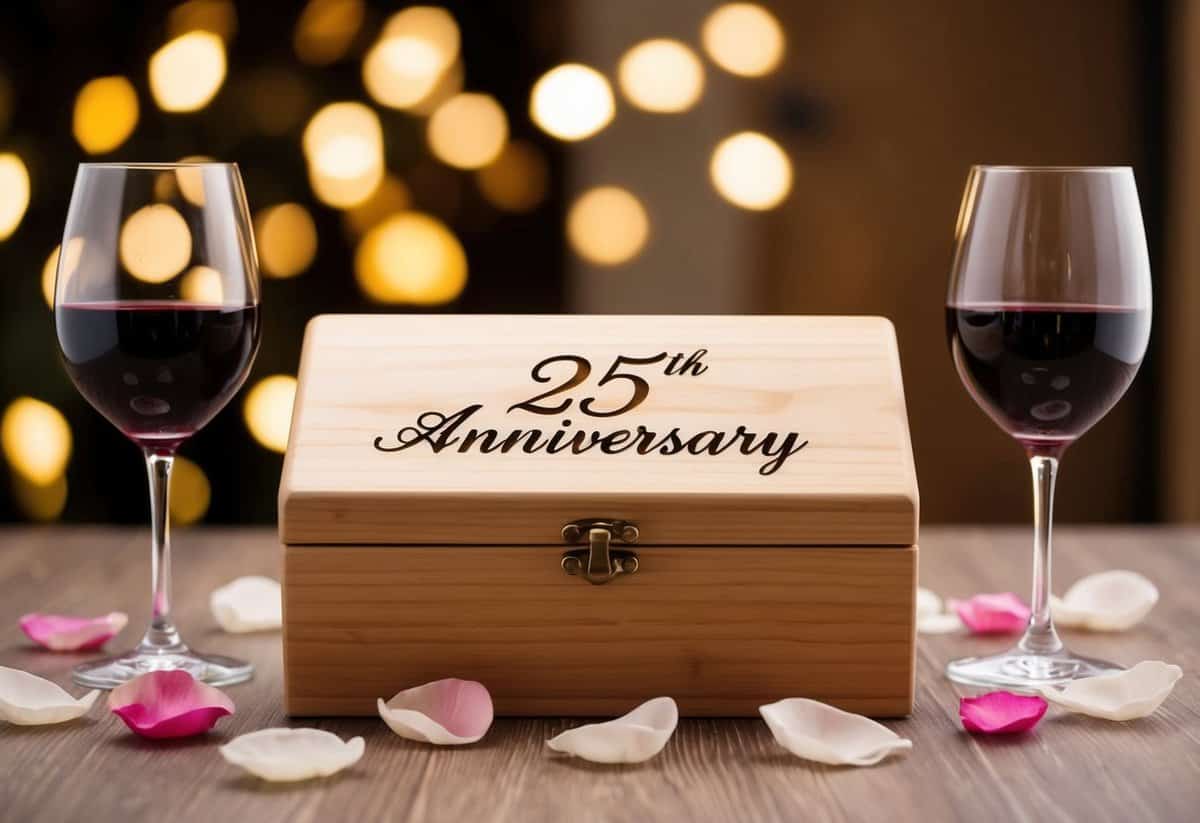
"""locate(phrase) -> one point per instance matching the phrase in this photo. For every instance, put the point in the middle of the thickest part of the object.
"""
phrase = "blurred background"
(598, 156)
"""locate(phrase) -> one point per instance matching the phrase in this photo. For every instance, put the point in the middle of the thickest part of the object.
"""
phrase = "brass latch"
(599, 562)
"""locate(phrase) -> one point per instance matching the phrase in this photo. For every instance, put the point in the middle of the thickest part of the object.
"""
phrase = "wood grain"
(1072, 768)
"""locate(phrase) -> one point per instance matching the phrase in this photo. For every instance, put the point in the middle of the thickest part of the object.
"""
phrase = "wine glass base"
(1020, 671)
(214, 669)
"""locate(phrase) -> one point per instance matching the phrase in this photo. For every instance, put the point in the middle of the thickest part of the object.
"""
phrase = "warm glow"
(344, 146)
(743, 38)
(106, 113)
(390, 197)
(326, 30)
(400, 72)
(661, 76)
(411, 258)
(287, 239)
(36, 440)
(191, 179)
(268, 410)
(40, 502)
(201, 284)
(216, 16)
(186, 73)
(155, 243)
(190, 492)
(751, 170)
(50, 268)
(468, 131)
(448, 85)
(14, 193)
(607, 225)
(572, 102)
(517, 180)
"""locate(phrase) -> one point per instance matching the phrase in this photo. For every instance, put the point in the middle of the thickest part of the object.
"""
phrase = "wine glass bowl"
(156, 311)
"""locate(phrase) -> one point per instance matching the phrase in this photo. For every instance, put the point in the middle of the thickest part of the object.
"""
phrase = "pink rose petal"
(446, 712)
(169, 704)
(65, 633)
(1000, 713)
(993, 613)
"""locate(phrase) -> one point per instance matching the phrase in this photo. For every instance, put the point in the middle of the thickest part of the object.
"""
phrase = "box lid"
(703, 430)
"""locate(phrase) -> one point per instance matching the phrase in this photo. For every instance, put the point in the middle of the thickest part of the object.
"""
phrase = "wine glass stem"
(161, 637)
(1040, 637)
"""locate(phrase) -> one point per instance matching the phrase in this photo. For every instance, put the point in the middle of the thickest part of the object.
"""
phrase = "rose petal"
(816, 731)
(1000, 713)
(64, 633)
(248, 604)
(169, 704)
(928, 603)
(1110, 601)
(630, 738)
(447, 712)
(292, 754)
(940, 624)
(993, 613)
(1127, 695)
(29, 700)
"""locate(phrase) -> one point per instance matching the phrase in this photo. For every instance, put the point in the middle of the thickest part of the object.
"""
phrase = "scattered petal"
(1110, 601)
(1000, 712)
(940, 624)
(631, 738)
(64, 633)
(447, 712)
(993, 613)
(928, 602)
(169, 704)
(29, 700)
(248, 604)
(816, 731)
(1127, 695)
(292, 754)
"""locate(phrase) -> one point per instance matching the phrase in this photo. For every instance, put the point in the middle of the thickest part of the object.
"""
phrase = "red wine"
(159, 371)
(1044, 373)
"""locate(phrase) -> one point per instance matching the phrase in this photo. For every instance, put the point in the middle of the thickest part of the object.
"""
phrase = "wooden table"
(1070, 768)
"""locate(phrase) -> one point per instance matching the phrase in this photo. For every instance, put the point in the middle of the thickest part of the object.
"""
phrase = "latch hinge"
(600, 562)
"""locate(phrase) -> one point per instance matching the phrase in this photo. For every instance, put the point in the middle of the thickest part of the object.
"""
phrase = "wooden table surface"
(1071, 768)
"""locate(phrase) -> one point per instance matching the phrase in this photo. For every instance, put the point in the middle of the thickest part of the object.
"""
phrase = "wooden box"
(583, 512)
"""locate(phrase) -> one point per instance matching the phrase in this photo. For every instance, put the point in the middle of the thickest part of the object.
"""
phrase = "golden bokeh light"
(572, 102)
(36, 440)
(411, 258)
(326, 30)
(661, 75)
(607, 225)
(216, 16)
(40, 502)
(191, 179)
(390, 197)
(432, 24)
(287, 239)
(106, 113)
(343, 143)
(751, 170)
(517, 180)
(201, 284)
(448, 85)
(400, 72)
(268, 411)
(187, 72)
(14, 193)
(155, 243)
(743, 39)
(50, 267)
(190, 493)
(468, 131)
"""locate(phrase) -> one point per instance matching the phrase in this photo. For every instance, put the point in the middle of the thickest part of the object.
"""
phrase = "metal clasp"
(599, 562)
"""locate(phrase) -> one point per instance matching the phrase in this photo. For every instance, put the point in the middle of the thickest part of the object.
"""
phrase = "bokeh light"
(343, 143)
(14, 193)
(106, 113)
(190, 492)
(607, 225)
(743, 39)
(411, 258)
(468, 131)
(191, 179)
(390, 197)
(661, 75)
(36, 440)
(517, 180)
(326, 30)
(448, 85)
(216, 16)
(40, 502)
(572, 102)
(201, 284)
(186, 73)
(268, 411)
(287, 239)
(751, 170)
(50, 267)
(417, 47)
(155, 243)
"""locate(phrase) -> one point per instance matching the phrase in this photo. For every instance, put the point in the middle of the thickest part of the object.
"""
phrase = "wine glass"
(156, 312)
(1048, 318)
